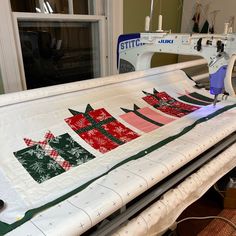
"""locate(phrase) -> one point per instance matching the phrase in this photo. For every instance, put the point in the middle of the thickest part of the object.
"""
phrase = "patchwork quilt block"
(49, 150)
(51, 175)
(38, 164)
(70, 150)
(167, 104)
(99, 129)
(195, 98)
(145, 119)
(52, 156)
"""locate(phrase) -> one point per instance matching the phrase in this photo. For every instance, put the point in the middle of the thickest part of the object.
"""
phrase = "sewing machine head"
(136, 50)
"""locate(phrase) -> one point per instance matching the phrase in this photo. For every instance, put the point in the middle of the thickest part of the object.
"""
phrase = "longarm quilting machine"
(120, 155)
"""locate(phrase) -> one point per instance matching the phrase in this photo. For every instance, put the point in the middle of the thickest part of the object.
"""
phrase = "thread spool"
(147, 23)
(159, 24)
(226, 28)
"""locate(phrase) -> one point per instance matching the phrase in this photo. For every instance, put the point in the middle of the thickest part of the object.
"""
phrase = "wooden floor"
(218, 227)
(211, 204)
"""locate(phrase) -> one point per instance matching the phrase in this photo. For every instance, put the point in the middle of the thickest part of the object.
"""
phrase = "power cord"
(209, 217)
(172, 228)
(221, 193)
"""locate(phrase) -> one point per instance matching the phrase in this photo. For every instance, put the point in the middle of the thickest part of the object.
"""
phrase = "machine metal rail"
(158, 190)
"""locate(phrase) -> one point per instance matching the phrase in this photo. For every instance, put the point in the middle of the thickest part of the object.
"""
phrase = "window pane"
(56, 52)
(51, 6)
(25, 5)
(56, 6)
(81, 7)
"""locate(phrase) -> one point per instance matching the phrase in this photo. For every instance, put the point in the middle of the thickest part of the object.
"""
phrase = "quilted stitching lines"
(165, 103)
(99, 129)
(52, 156)
(49, 150)
(145, 119)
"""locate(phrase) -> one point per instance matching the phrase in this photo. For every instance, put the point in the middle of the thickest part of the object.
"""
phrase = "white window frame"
(110, 23)
(114, 13)
(18, 16)
(8, 51)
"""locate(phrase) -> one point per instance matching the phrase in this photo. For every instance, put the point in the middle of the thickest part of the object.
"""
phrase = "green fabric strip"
(146, 118)
(201, 97)
(94, 125)
(98, 126)
(5, 228)
(193, 101)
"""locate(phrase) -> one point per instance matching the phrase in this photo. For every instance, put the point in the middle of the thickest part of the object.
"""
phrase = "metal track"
(140, 205)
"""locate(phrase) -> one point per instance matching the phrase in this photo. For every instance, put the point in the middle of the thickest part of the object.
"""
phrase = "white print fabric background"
(85, 209)
(34, 118)
(162, 214)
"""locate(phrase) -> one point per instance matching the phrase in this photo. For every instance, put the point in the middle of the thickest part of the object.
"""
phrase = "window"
(58, 41)
(51, 55)
(51, 6)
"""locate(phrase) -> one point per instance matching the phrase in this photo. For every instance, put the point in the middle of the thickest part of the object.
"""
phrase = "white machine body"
(136, 50)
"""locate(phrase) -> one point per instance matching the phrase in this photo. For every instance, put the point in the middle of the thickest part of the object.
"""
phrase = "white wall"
(1, 85)
(227, 9)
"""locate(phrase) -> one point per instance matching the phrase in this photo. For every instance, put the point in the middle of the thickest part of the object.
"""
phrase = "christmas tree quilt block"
(54, 155)
(167, 104)
(100, 129)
